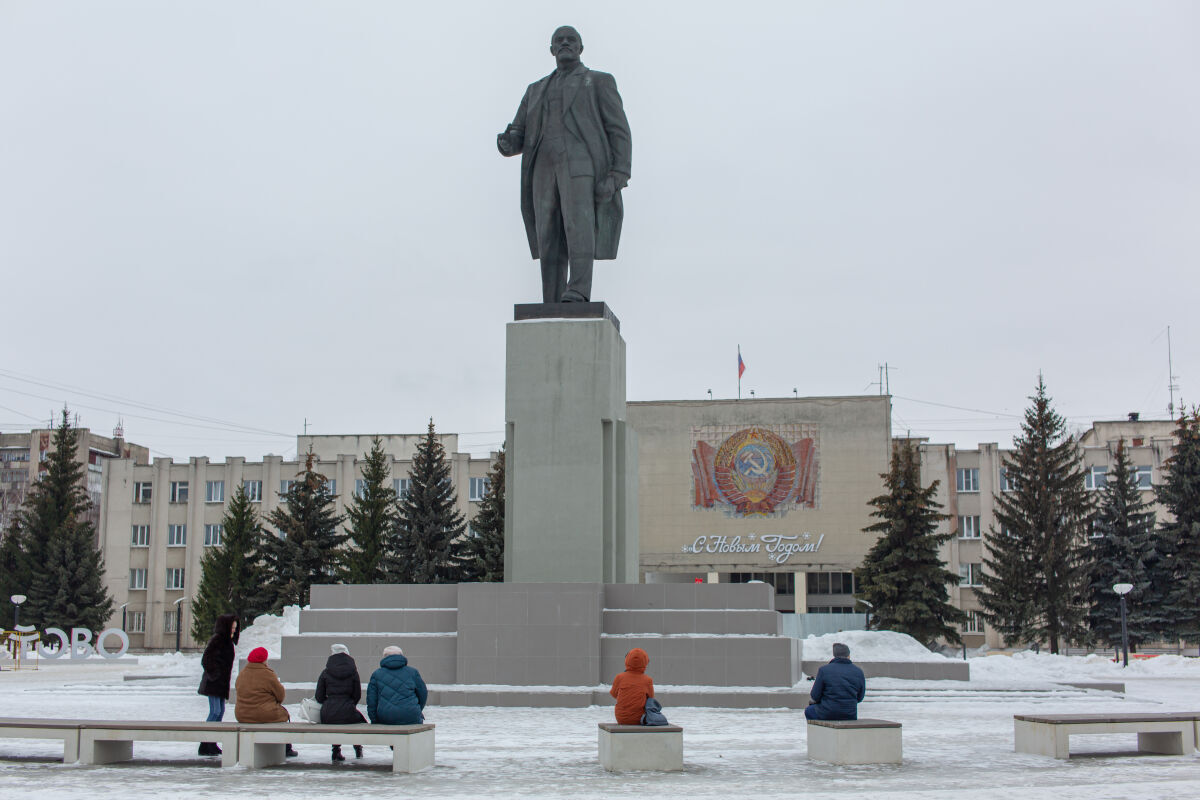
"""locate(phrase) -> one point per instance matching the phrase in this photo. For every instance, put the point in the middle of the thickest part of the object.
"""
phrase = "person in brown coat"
(259, 693)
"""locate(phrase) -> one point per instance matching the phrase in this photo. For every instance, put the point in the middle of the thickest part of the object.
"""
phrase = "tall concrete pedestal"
(571, 462)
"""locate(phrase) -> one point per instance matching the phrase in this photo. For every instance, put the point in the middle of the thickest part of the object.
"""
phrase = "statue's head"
(566, 45)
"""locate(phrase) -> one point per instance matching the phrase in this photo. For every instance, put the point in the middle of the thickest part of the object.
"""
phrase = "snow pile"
(268, 631)
(868, 646)
(1029, 666)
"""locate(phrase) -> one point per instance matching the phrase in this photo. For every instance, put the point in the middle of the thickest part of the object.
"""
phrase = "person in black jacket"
(338, 691)
(839, 688)
(217, 663)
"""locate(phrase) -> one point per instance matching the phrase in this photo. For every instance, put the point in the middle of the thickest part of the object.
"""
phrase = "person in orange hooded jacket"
(632, 687)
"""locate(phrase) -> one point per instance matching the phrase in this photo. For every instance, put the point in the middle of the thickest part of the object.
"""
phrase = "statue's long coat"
(593, 114)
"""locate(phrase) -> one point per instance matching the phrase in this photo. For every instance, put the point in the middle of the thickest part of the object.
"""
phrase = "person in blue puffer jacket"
(396, 694)
(839, 688)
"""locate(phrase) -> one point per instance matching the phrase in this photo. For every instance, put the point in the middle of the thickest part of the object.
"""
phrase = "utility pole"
(1171, 378)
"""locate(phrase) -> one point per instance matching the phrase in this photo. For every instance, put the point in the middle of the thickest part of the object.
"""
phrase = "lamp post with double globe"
(1123, 589)
(17, 600)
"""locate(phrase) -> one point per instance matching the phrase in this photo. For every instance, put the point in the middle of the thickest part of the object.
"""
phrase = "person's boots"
(209, 749)
(337, 753)
(289, 751)
(358, 751)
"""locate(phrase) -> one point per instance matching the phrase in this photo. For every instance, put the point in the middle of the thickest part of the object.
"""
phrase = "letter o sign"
(121, 636)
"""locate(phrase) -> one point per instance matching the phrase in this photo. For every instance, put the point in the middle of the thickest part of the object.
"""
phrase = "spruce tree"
(231, 574)
(1122, 552)
(485, 550)
(1178, 536)
(372, 520)
(1035, 584)
(306, 547)
(55, 542)
(427, 547)
(903, 576)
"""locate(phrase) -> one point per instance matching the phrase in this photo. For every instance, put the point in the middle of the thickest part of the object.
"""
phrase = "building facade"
(157, 519)
(23, 460)
(969, 480)
(775, 490)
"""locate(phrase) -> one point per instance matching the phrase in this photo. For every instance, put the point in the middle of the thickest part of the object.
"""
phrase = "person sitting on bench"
(839, 688)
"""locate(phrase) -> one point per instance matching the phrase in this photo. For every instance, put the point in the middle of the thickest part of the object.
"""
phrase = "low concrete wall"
(909, 670)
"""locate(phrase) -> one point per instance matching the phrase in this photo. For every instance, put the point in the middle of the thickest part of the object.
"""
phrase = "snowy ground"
(957, 742)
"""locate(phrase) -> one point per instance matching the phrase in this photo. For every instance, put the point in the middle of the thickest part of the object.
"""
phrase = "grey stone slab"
(619, 595)
(710, 671)
(679, 595)
(528, 311)
(676, 621)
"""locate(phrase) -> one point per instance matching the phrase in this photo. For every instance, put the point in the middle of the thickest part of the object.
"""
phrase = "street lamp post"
(17, 600)
(1123, 589)
(123, 605)
(869, 607)
(178, 622)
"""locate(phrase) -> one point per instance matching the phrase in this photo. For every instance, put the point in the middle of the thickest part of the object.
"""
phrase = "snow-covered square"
(958, 740)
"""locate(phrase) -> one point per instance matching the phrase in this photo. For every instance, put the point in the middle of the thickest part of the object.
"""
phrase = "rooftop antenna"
(1172, 386)
(119, 431)
(306, 426)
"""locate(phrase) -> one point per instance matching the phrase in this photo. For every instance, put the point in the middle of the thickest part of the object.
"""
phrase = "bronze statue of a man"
(575, 151)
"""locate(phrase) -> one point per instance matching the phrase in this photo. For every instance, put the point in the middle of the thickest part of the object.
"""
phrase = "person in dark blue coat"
(839, 688)
(396, 694)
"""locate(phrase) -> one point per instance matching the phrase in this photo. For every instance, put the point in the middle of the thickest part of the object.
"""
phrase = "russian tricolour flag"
(741, 364)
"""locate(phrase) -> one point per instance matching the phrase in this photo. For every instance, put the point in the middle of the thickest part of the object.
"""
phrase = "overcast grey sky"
(253, 213)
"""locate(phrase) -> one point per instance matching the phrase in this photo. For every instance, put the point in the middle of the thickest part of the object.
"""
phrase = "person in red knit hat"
(259, 693)
(632, 688)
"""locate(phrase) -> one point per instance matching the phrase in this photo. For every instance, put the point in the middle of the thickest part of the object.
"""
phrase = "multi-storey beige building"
(157, 519)
(23, 460)
(969, 480)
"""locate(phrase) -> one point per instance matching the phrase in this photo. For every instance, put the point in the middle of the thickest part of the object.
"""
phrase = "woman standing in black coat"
(217, 663)
(338, 691)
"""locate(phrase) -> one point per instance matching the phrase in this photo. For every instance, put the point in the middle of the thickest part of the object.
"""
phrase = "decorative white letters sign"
(777, 547)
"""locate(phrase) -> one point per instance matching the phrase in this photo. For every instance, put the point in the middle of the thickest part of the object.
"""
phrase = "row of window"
(137, 578)
(784, 582)
(214, 491)
(967, 478)
(14, 455)
(177, 535)
(137, 622)
(14, 475)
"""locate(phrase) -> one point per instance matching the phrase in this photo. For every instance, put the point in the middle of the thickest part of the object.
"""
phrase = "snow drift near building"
(268, 631)
(869, 646)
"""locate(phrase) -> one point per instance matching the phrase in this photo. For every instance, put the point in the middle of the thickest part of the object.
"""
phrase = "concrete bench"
(1049, 734)
(110, 741)
(629, 748)
(855, 741)
(264, 745)
(27, 728)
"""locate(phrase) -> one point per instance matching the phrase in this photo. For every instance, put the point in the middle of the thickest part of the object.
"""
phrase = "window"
(331, 485)
(137, 622)
(831, 610)
(784, 582)
(1093, 531)
(360, 488)
(176, 535)
(214, 492)
(968, 479)
(1142, 477)
(968, 527)
(1095, 478)
(970, 574)
(478, 488)
(401, 486)
(137, 579)
(169, 620)
(142, 492)
(1007, 531)
(974, 623)
(285, 487)
(179, 491)
(253, 491)
(1005, 484)
(831, 583)
(212, 535)
(175, 578)
(141, 536)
